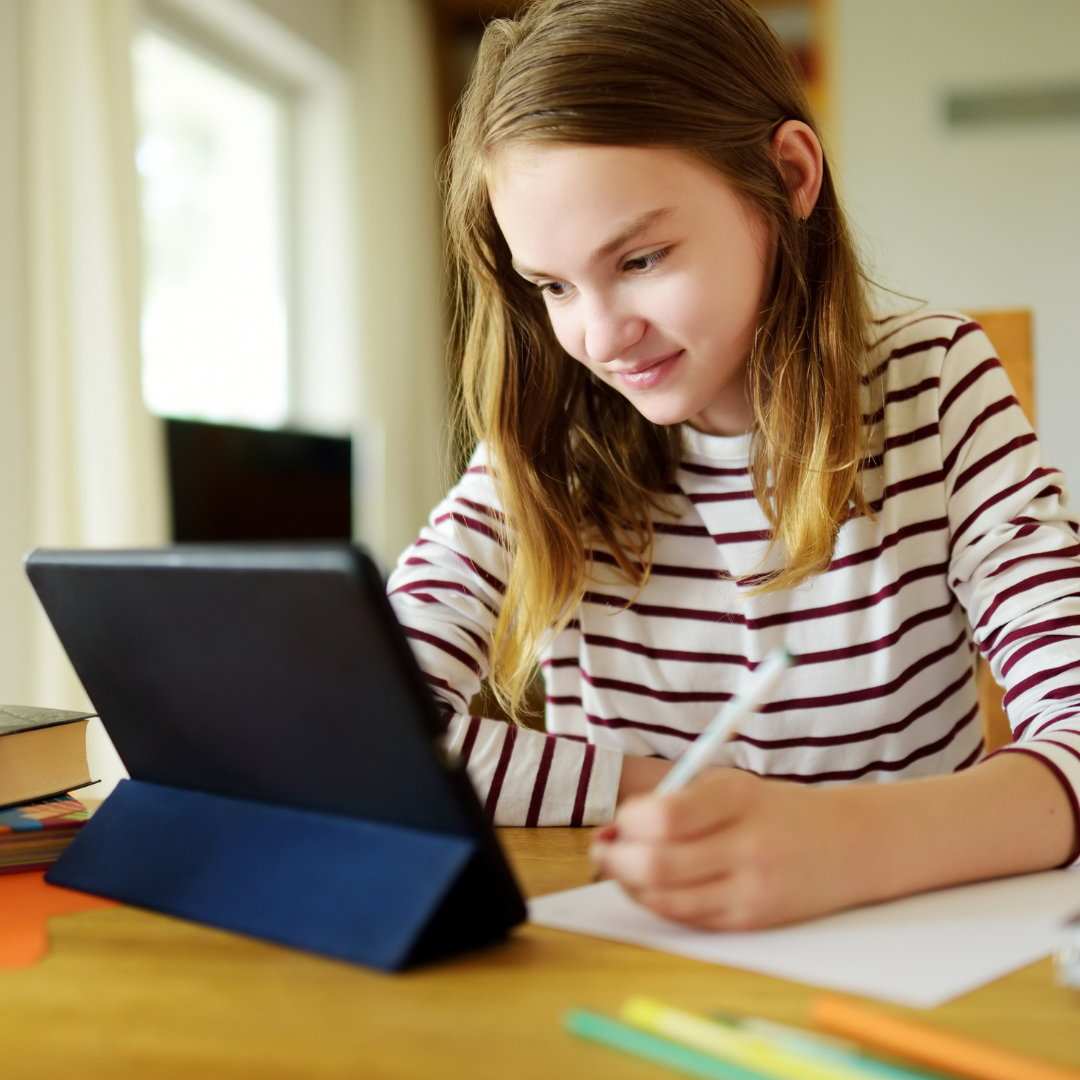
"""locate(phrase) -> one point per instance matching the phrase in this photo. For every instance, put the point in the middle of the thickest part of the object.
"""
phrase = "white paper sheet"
(920, 951)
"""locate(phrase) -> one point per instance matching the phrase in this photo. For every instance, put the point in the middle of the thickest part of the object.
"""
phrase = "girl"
(695, 445)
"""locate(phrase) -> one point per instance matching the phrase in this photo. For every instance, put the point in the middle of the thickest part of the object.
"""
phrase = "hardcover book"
(42, 753)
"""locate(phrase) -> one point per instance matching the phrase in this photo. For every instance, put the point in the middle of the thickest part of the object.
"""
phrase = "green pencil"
(602, 1029)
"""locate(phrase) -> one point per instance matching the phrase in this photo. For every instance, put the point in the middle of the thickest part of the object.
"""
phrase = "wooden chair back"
(1010, 331)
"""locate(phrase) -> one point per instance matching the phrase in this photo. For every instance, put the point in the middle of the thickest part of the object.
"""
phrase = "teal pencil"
(602, 1029)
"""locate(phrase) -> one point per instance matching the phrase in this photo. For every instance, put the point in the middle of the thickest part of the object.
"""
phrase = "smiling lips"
(649, 375)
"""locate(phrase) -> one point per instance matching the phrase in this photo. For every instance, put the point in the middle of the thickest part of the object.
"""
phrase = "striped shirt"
(970, 546)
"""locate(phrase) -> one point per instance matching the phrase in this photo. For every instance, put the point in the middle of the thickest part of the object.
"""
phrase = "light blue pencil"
(759, 687)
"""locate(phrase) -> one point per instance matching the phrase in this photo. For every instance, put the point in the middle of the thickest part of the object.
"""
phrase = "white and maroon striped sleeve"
(447, 592)
(1015, 559)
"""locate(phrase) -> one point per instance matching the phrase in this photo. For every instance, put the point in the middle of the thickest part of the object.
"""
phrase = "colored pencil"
(602, 1029)
(827, 1047)
(762, 682)
(751, 1051)
(929, 1045)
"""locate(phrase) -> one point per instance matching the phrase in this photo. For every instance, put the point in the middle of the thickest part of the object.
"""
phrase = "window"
(212, 154)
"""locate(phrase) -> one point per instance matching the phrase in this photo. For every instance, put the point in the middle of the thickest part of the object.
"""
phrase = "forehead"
(617, 173)
(563, 200)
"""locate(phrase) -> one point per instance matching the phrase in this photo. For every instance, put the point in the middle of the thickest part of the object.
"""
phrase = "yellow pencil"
(738, 1047)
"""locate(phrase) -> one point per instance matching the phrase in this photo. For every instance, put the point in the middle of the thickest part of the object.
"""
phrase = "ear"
(802, 164)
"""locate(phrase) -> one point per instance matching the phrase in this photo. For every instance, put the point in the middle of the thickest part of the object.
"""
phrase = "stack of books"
(42, 757)
(33, 836)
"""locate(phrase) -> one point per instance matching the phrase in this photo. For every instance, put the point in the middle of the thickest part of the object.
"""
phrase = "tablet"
(276, 674)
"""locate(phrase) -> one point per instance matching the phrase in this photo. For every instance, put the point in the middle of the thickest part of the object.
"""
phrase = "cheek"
(568, 331)
(716, 308)
(684, 306)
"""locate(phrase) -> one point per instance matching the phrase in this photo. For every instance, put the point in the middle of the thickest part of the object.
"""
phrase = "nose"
(610, 332)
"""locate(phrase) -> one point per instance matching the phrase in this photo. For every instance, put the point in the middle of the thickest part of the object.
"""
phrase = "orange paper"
(26, 905)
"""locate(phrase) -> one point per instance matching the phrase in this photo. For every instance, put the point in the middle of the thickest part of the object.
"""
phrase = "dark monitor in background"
(235, 483)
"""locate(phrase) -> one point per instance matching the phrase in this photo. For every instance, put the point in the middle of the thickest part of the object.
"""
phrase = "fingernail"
(606, 834)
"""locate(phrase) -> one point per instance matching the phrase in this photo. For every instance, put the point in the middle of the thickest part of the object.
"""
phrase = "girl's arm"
(446, 592)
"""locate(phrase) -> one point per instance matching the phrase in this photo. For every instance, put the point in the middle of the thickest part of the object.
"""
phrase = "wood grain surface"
(126, 994)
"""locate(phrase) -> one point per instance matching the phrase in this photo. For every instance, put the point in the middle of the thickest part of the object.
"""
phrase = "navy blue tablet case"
(287, 778)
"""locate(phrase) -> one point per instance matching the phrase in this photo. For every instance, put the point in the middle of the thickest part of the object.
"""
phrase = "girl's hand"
(731, 851)
(734, 851)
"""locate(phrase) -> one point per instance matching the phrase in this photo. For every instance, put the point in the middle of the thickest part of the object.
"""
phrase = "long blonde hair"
(575, 464)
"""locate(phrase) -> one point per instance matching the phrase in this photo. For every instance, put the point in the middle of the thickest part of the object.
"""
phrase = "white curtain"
(82, 462)
(402, 382)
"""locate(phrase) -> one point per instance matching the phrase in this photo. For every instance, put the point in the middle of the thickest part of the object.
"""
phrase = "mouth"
(649, 373)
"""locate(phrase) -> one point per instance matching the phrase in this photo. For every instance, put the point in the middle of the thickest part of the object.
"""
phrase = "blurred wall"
(978, 216)
(400, 435)
(322, 23)
(363, 74)
(16, 532)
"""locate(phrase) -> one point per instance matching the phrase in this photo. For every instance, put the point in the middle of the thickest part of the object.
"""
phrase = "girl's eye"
(555, 289)
(645, 262)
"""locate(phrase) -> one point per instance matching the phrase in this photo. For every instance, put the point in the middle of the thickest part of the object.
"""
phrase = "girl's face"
(653, 270)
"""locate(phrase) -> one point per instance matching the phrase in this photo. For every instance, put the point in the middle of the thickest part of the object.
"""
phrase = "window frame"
(313, 91)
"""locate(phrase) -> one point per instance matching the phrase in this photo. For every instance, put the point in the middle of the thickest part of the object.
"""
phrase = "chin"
(664, 415)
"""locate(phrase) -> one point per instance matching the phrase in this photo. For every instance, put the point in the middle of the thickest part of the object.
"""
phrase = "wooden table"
(125, 993)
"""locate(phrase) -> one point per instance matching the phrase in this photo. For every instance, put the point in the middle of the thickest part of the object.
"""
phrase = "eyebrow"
(633, 228)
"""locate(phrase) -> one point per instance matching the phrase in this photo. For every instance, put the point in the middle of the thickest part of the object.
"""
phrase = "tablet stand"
(376, 894)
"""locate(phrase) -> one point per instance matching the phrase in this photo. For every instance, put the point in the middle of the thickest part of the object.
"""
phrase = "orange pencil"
(929, 1045)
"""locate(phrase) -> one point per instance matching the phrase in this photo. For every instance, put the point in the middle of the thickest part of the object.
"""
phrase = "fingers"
(678, 839)
(730, 851)
(728, 903)
(713, 801)
(641, 864)
(723, 881)
(696, 855)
